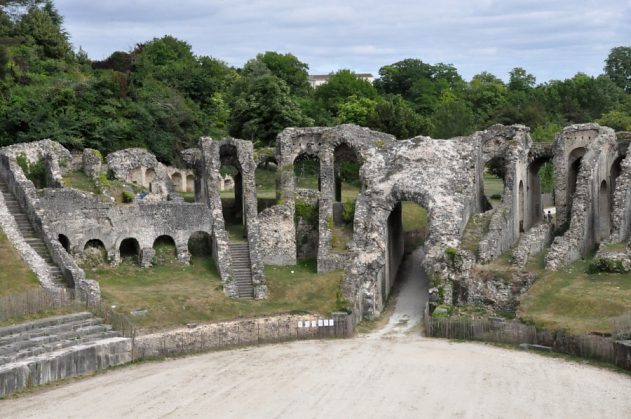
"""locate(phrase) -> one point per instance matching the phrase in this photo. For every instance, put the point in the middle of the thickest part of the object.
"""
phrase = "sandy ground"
(392, 373)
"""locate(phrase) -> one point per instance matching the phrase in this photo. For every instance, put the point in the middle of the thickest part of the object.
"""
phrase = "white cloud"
(550, 38)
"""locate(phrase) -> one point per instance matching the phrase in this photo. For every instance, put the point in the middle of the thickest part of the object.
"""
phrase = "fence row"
(597, 347)
(35, 301)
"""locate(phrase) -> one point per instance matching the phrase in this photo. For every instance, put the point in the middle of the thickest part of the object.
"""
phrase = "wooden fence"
(35, 301)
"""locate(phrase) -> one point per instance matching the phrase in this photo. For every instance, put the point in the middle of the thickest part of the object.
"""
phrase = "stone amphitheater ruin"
(592, 197)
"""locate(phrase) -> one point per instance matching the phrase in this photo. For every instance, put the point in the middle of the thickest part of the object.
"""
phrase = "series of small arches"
(199, 244)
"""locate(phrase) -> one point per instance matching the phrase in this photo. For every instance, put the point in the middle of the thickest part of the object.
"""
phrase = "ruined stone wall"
(621, 212)
(83, 217)
(587, 210)
(243, 158)
(27, 195)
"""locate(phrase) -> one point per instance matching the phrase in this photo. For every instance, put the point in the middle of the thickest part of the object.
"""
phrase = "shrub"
(128, 197)
(496, 196)
(35, 172)
(307, 211)
(605, 265)
(348, 211)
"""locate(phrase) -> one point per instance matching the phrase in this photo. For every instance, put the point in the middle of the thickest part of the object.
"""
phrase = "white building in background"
(319, 79)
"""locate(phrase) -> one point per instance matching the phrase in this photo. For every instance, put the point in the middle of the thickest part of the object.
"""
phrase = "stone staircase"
(242, 269)
(46, 350)
(31, 237)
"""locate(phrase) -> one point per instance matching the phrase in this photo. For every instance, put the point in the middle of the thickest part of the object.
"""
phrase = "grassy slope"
(576, 301)
(175, 294)
(493, 185)
(15, 275)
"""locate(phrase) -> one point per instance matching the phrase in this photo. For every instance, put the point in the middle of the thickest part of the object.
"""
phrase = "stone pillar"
(325, 215)
(146, 257)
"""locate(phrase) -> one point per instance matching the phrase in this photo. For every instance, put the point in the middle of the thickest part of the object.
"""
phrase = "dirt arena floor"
(390, 373)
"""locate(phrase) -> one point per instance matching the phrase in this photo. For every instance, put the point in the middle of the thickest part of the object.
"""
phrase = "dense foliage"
(163, 97)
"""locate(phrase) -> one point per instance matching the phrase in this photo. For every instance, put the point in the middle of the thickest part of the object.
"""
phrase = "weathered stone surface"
(92, 162)
(532, 242)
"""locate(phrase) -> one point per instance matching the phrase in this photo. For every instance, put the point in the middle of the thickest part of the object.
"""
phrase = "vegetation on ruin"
(175, 294)
(574, 300)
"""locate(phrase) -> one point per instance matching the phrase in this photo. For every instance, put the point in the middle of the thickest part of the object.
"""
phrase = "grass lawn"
(573, 300)
(176, 294)
(15, 275)
(79, 180)
(493, 185)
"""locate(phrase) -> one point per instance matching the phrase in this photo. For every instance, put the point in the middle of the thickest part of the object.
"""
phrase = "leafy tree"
(289, 69)
(618, 118)
(263, 108)
(453, 117)
(520, 79)
(339, 88)
(395, 116)
(618, 67)
(356, 110)
(485, 94)
(42, 27)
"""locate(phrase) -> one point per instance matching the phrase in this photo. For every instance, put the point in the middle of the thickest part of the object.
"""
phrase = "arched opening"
(521, 206)
(307, 172)
(65, 243)
(540, 200)
(135, 176)
(165, 250)
(232, 199)
(492, 184)
(190, 183)
(200, 245)
(604, 215)
(616, 170)
(406, 231)
(94, 254)
(176, 178)
(266, 183)
(573, 169)
(129, 251)
(150, 175)
(346, 167)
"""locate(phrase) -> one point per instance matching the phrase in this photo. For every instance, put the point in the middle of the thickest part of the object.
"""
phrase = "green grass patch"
(573, 300)
(493, 188)
(81, 181)
(15, 275)
(477, 227)
(414, 220)
(176, 294)
(266, 182)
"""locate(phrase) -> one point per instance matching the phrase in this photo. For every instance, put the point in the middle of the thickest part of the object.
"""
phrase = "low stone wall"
(531, 243)
(65, 363)
(242, 332)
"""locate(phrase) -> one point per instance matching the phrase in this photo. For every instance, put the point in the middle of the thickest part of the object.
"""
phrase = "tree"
(452, 118)
(263, 108)
(289, 69)
(42, 27)
(339, 88)
(395, 116)
(356, 110)
(520, 79)
(485, 94)
(618, 67)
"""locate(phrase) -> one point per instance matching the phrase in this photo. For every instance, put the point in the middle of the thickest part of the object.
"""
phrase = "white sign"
(300, 323)
(331, 322)
(326, 322)
(313, 323)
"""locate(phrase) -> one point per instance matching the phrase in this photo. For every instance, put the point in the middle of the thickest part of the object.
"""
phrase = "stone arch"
(135, 175)
(535, 191)
(129, 249)
(492, 182)
(165, 249)
(150, 175)
(306, 166)
(176, 178)
(234, 213)
(267, 183)
(190, 183)
(65, 242)
(200, 244)
(573, 169)
(604, 213)
(344, 153)
(94, 252)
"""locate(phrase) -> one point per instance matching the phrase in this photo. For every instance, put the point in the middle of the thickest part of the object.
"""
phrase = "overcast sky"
(552, 39)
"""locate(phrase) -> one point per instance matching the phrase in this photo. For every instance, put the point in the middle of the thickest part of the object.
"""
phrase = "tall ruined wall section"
(440, 176)
(621, 213)
(588, 212)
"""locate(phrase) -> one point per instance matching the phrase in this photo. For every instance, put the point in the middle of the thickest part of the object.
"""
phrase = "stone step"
(50, 321)
(49, 330)
(57, 345)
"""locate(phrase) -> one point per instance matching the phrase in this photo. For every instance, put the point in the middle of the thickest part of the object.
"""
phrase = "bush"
(306, 211)
(496, 196)
(348, 211)
(605, 265)
(35, 172)
(128, 197)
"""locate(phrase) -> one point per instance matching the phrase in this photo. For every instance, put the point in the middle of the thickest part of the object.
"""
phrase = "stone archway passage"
(190, 183)
(604, 213)
(200, 244)
(176, 178)
(165, 250)
(129, 250)
(65, 243)
(573, 169)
